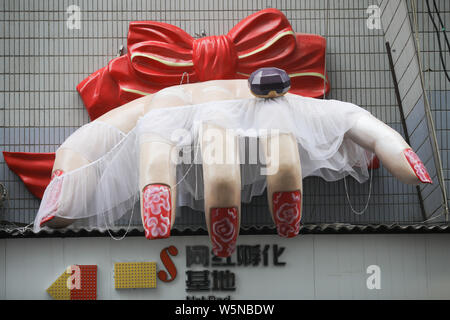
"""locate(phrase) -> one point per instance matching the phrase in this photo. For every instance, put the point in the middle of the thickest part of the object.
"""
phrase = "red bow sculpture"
(159, 54)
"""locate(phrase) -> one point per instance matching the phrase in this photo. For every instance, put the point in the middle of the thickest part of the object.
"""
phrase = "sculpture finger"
(83, 147)
(222, 187)
(66, 160)
(157, 179)
(284, 182)
(390, 147)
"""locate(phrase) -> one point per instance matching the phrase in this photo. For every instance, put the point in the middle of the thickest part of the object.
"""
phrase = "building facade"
(48, 47)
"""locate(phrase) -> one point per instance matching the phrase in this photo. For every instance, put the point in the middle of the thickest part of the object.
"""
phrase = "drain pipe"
(403, 120)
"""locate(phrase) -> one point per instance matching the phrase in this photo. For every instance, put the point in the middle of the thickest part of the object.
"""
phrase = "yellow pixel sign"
(58, 289)
(129, 275)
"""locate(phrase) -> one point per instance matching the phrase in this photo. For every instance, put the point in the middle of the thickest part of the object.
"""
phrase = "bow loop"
(149, 58)
(141, 31)
(158, 52)
(262, 30)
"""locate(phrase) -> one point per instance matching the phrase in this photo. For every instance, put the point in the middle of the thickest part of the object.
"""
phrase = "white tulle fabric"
(93, 140)
(98, 194)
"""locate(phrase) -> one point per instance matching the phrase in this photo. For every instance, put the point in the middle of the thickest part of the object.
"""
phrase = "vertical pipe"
(403, 120)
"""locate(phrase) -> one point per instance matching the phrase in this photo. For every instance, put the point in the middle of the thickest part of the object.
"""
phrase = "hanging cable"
(442, 24)
(12, 228)
(129, 222)
(368, 196)
(441, 55)
(182, 78)
(324, 90)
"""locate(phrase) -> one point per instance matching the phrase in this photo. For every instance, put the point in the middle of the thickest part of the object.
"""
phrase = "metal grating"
(437, 87)
(41, 62)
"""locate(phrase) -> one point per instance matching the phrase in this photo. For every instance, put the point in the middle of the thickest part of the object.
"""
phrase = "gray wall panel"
(2, 269)
(317, 266)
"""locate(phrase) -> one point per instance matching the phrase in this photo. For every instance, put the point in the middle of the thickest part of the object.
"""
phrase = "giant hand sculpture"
(174, 145)
(129, 150)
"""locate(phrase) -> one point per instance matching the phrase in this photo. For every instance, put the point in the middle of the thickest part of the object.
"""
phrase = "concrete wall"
(317, 267)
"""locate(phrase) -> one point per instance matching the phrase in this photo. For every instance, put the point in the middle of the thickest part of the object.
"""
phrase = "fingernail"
(417, 166)
(224, 231)
(56, 173)
(52, 201)
(157, 207)
(287, 212)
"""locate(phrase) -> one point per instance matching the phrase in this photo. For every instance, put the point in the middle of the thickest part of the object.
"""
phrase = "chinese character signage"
(206, 276)
(205, 272)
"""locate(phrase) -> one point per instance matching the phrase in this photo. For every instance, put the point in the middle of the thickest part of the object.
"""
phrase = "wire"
(441, 56)
(182, 78)
(368, 196)
(129, 222)
(12, 227)
(324, 91)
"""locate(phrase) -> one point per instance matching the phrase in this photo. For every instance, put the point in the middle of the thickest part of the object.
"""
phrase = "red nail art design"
(157, 206)
(224, 231)
(287, 212)
(417, 165)
(53, 196)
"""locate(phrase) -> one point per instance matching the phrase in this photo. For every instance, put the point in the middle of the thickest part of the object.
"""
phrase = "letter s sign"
(168, 263)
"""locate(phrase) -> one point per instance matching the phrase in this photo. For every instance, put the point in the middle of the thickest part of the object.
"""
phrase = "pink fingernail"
(157, 208)
(417, 166)
(224, 230)
(287, 212)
